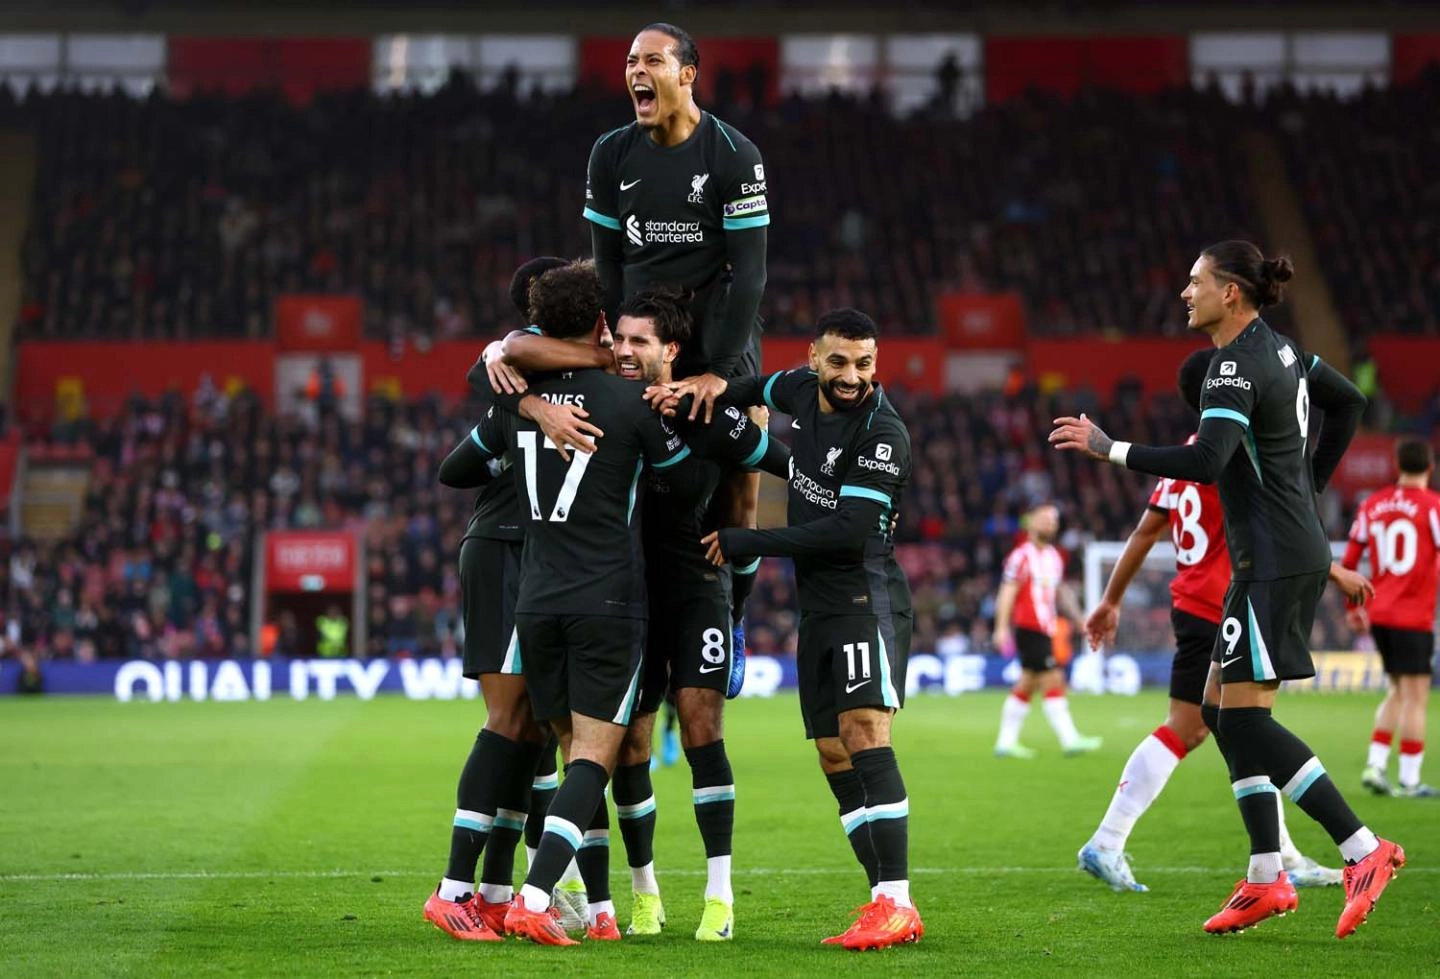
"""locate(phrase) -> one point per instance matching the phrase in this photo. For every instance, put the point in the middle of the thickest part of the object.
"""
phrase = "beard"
(838, 400)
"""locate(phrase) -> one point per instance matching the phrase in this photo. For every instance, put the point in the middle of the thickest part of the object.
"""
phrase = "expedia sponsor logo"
(739, 421)
(747, 189)
(663, 232)
(1229, 382)
(888, 467)
(748, 205)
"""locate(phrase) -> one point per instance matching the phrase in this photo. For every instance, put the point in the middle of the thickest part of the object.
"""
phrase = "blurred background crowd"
(163, 219)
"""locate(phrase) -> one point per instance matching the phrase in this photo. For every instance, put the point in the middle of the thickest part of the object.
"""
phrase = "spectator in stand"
(175, 219)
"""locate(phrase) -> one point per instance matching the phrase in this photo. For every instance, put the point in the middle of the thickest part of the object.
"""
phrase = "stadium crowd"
(174, 219)
(161, 219)
(1362, 170)
(160, 564)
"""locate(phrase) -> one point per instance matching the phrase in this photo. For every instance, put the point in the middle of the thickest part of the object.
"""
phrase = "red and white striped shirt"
(1038, 570)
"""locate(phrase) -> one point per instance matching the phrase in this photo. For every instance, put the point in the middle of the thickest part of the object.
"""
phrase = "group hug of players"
(605, 567)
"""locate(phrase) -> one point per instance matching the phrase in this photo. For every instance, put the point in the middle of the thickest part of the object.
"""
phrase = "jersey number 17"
(566, 499)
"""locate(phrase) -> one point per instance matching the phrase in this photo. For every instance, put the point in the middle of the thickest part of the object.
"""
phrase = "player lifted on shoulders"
(1254, 426)
(850, 462)
(1026, 611)
(678, 199)
(688, 645)
(580, 614)
(1400, 527)
(1190, 512)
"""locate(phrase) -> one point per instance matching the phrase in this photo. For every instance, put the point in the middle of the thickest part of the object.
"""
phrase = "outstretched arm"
(843, 532)
(1202, 461)
(1104, 620)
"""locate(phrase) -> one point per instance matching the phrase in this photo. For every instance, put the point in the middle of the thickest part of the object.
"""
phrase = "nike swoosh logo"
(710, 669)
(852, 687)
(625, 186)
(794, 425)
(1226, 662)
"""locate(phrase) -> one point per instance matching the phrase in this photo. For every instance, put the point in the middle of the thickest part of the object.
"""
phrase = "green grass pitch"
(286, 838)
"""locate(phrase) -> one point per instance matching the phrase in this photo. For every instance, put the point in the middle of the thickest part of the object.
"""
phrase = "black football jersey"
(581, 519)
(862, 453)
(497, 507)
(673, 206)
(1267, 490)
(677, 498)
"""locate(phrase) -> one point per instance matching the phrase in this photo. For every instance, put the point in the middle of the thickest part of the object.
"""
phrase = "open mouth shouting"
(644, 98)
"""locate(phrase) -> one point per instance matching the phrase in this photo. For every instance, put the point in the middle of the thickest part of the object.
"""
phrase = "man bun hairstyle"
(848, 324)
(528, 273)
(1414, 457)
(685, 50)
(565, 302)
(1261, 280)
(668, 308)
(1191, 379)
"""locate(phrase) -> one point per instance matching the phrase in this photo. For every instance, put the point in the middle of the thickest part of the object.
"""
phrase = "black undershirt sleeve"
(1343, 406)
(726, 341)
(1200, 462)
(843, 532)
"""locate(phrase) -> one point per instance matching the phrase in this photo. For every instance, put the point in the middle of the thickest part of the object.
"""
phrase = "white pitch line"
(682, 872)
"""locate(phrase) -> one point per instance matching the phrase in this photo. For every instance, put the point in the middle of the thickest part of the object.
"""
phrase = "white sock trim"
(642, 879)
(455, 890)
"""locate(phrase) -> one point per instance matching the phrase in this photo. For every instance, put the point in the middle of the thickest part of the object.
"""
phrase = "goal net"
(1343, 661)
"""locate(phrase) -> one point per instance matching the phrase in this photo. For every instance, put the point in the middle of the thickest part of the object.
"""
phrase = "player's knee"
(701, 719)
(863, 729)
(514, 723)
(635, 749)
(833, 756)
(1192, 733)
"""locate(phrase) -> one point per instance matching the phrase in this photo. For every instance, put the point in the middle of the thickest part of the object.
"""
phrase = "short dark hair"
(848, 324)
(666, 308)
(1261, 280)
(526, 274)
(566, 301)
(1415, 457)
(685, 50)
(1191, 378)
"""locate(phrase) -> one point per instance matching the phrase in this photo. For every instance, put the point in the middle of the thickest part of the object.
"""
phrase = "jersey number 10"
(1396, 546)
(568, 489)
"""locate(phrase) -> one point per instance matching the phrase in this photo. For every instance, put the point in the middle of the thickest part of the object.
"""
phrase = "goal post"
(1145, 613)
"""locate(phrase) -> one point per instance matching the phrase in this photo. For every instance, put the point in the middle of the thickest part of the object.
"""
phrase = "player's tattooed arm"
(1083, 435)
(1199, 462)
